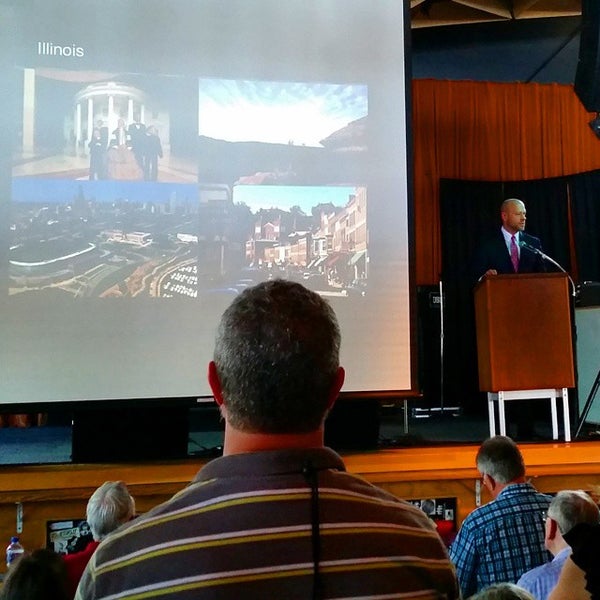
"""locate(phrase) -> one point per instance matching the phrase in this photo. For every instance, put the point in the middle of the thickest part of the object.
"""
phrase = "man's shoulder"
(522, 492)
(479, 517)
(530, 240)
(537, 580)
(492, 238)
(83, 555)
(529, 578)
(542, 578)
(514, 495)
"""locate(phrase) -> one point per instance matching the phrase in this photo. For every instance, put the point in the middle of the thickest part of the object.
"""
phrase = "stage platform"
(443, 473)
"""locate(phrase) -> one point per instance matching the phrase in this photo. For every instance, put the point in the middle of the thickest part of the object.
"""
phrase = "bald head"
(514, 215)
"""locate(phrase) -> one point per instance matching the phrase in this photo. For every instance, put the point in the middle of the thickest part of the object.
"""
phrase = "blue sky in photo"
(284, 197)
(277, 112)
(63, 191)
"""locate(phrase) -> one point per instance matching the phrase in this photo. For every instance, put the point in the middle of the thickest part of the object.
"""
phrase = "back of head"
(503, 591)
(109, 506)
(42, 575)
(500, 458)
(277, 356)
(571, 507)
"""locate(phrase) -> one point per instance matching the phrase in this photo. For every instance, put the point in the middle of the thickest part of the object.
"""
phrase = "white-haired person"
(108, 508)
(567, 509)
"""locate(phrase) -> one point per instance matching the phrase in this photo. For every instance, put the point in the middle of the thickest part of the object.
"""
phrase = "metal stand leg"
(501, 413)
(554, 417)
(505, 396)
(588, 404)
(566, 416)
(491, 416)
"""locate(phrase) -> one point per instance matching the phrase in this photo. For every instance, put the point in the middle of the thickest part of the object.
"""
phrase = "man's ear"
(553, 530)
(338, 382)
(491, 482)
(215, 383)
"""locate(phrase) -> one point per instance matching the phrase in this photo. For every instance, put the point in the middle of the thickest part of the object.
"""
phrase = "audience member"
(277, 516)
(108, 508)
(580, 576)
(503, 591)
(501, 540)
(567, 509)
(41, 575)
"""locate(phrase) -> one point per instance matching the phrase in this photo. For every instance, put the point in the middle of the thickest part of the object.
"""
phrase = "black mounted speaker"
(587, 77)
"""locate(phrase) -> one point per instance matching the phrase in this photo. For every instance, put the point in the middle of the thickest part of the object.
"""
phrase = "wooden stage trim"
(55, 492)
(458, 462)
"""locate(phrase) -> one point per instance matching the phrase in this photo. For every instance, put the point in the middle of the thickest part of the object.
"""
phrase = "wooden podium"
(524, 342)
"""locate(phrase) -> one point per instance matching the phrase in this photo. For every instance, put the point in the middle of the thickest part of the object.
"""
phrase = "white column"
(77, 126)
(74, 134)
(142, 113)
(28, 110)
(111, 114)
(90, 120)
(129, 111)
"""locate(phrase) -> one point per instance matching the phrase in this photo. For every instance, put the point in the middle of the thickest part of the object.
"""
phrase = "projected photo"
(103, 239)
(263, 132)
(123, 239)
(316, 235)
(93, 125)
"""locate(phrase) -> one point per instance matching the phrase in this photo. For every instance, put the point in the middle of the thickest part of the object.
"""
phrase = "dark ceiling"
(432, 13)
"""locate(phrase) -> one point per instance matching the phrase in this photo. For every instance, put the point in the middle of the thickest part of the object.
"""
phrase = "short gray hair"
(109, 506)
(503, 591)
(570, 507)
(500, 458)
(277, 357)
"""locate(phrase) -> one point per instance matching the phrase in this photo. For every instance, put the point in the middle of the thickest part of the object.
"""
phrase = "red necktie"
(514, 254)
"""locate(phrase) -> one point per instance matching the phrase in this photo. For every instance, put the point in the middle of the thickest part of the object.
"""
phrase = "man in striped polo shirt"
(277, 517)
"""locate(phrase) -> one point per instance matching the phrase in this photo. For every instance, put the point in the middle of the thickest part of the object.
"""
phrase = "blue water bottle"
(14, 551)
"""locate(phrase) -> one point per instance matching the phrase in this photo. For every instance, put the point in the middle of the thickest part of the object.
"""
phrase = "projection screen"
(160, 156)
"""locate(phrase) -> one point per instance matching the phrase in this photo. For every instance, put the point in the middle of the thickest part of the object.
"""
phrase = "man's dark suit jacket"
(493, 254)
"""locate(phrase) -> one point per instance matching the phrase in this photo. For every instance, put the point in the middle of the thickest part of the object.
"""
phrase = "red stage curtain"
(490, 132)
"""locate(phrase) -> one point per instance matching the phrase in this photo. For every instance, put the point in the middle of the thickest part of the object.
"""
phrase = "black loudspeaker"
(430, 344)
(587, 77)
(353, 424)
(128, 434)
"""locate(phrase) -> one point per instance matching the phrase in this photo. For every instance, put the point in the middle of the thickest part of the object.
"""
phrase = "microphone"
(544, 256)
(539, 253)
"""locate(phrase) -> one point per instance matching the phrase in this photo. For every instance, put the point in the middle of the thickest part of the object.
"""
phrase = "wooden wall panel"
(61, 491)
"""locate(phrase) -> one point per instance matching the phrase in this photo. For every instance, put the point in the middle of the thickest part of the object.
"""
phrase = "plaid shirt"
(498, 542)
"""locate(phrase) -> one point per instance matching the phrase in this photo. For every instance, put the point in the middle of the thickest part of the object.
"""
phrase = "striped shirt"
(501, 540)
(243, 529)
